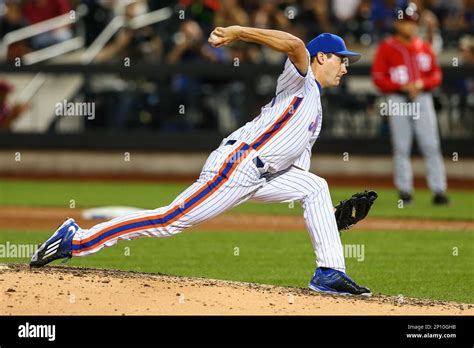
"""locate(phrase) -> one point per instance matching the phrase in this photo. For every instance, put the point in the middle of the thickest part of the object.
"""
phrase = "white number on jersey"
(399, 74)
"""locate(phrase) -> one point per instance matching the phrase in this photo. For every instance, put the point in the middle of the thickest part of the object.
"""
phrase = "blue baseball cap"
(330, 43)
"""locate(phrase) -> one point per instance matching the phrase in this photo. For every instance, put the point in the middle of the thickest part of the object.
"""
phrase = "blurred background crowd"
(360, 22)
(123, 103)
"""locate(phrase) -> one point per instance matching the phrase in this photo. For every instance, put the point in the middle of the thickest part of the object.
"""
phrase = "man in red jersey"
(405, 70)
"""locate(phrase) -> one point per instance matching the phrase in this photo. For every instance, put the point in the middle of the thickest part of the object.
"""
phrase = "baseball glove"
(351, 211)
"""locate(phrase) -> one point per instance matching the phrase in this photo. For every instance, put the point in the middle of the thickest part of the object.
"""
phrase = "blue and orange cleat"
(58, 246)
(331, 281)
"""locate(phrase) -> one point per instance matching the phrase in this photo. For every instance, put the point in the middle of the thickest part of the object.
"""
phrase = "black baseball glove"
(351, 211)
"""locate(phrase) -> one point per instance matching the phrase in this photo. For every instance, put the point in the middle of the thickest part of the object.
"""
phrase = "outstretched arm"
(275, 39)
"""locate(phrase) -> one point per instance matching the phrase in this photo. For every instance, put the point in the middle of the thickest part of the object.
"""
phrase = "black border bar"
(261, 330)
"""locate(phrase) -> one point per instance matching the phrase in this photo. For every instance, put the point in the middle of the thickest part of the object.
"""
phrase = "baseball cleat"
(440, 199)
(58, 246)
(331, 281)
(406, 197)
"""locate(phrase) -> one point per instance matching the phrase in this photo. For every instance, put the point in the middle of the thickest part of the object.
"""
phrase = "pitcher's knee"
(322, 184)
(316, 186)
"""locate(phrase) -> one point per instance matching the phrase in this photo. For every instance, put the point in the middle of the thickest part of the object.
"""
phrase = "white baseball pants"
(229, 177)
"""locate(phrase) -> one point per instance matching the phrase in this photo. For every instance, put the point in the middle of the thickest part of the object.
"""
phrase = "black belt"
(257, 160)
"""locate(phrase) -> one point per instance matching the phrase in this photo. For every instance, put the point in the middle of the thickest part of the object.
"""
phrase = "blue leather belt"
(257, 160)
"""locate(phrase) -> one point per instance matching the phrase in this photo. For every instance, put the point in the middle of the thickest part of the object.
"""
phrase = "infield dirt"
(62, 290)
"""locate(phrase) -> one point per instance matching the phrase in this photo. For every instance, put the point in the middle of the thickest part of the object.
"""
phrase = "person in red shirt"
(36, 11)
(40, 10)
(8, 114)
(406, 71)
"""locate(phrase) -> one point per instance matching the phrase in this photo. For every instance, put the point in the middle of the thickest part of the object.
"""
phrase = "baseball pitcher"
(265, 160)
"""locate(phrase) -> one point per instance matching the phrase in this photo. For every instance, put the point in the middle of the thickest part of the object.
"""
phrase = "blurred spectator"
(269, 16)
(383, 16)
(140, 44)
(191, 46)
(183, 40)
(36, 11)
(13, 20)
(465, 87)
(468, 18)
(202, 12)
(317, 17)
(450, 14)
(466, 44)
(8, 114)
(99, 14)
(353, 20)
(429, 25)
(228, 99)
(116, 95)
(136, 44)
(345, 10)
(231, 13)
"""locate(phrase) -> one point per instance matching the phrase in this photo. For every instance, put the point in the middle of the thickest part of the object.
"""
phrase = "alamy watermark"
(81, 109)
(403, 109)
(28, 330)
(17, 251)
(355, 251)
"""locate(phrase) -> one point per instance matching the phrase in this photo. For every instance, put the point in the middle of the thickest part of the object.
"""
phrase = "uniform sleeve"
(432, 78)
(291, 79)
(381, 71)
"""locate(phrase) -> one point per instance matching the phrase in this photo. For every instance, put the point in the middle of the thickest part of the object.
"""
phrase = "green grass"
(411, 263)
(152, 195)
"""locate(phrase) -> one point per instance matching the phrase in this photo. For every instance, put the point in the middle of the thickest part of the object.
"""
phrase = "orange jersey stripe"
(76, 242)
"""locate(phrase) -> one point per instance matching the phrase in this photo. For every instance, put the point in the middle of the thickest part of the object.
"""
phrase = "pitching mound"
(73, 290)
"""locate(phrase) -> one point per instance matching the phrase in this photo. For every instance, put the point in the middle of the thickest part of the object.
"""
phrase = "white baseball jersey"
(282, 137)
(287, 127)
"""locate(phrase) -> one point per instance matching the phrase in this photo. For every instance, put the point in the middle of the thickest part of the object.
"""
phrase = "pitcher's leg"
(152, 223)
(313, 192)
(215, 191)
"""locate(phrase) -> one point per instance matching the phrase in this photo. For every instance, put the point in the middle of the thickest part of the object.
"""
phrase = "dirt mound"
(73, 290)
(50, 218)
